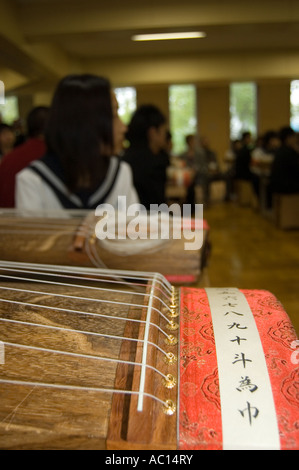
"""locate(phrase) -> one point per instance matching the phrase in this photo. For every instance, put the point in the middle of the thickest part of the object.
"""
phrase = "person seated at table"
(147, 137)
(188, 156)
(203, 161)
(80, 169)
(193, 158)
(22, 155)
(210, 155)
(262, 156)
(231, 153)
(213, 172)
(284, 176)
(243, 162)
(243, 157)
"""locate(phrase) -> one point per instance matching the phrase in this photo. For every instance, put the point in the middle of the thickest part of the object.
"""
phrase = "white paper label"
(247, 407)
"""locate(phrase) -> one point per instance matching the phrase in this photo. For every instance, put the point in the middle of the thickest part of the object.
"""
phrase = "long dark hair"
(79, 129)
(37, 121)
(145, 117)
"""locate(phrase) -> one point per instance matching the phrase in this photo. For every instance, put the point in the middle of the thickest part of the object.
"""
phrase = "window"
(126, 98)
(9, 111)
(294, 101)
(242, 109)
(182, 115)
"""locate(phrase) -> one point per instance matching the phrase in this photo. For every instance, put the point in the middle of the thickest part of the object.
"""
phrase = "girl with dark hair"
(84, 135)
(147, 154)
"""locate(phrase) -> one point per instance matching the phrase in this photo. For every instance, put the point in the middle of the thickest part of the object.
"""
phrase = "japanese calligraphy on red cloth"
(247, 407)
(237, 381)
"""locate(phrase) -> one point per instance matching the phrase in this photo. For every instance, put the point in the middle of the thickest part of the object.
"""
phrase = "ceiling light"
(167, 36)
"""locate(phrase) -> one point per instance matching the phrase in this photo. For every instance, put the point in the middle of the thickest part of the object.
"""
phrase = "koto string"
(156, 281)
(91, 314)
(54, 294)
(64, 216)
(35, 232)
(144, 294)
(41, 281)
(85, 356)
(147, 276)
(86, 229)
(91, 333)
(32, 225)
(77, 387)
(49, 227)
(46, 268)
(98, 280)
(94, 257)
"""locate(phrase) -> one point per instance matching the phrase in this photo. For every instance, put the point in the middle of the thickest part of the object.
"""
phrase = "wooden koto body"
(72, 240)
(74, 347)
(94, 359)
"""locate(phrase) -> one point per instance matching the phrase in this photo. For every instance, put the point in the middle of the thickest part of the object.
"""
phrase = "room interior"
(41, 41)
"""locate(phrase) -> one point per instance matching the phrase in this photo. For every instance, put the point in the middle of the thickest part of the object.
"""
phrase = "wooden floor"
(248, 251)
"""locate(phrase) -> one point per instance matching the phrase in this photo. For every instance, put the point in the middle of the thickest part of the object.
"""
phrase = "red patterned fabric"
(200, 410)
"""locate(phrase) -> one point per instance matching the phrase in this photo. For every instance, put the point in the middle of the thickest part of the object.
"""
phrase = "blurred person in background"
(147, 136)
(285, 167)
(7, 139)
(33, 148)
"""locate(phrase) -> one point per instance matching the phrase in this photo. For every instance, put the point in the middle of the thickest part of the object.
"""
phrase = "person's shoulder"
(123, 163)
(22, 155)
(27, 174)
(125, 168)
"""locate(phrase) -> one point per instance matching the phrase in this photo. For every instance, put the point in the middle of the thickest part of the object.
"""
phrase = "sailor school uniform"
(41, 186)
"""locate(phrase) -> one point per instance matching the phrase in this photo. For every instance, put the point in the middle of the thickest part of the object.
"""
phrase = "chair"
(286, 210)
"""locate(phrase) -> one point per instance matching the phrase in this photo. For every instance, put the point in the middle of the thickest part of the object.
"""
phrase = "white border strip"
(247, 407)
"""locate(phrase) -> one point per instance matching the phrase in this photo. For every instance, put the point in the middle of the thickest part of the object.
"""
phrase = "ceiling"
(41, 40)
